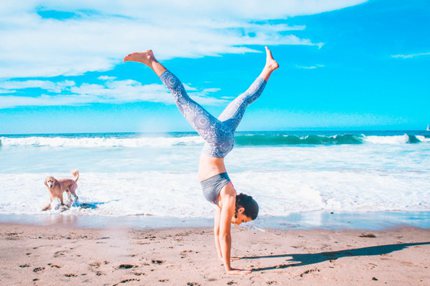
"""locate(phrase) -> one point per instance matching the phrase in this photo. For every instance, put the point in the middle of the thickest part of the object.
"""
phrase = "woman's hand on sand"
(237, 271)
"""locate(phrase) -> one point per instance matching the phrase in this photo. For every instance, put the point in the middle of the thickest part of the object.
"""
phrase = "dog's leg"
(73, 192)
(48, 206)
(69, 198)
(75, 197)
(62, 201)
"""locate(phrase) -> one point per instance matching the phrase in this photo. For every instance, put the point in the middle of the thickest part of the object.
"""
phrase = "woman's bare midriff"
(210, 166)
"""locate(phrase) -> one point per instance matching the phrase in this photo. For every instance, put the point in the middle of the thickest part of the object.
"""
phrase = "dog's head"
(50, 182)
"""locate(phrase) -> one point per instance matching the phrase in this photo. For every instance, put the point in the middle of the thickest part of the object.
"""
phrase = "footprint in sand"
(185, 252)
(95, 264)
(126, 281)
(368, 235)
(309, 271)
(157, 261)
(12, 236)
(150, 237)
(38, 269)
(59, 253)
(70, 275)
(126, 266)
(24, 265)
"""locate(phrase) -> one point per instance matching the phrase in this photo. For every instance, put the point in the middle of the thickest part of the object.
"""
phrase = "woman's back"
(210, 166)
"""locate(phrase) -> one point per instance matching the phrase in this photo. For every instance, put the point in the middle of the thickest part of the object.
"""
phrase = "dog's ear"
(46, 182)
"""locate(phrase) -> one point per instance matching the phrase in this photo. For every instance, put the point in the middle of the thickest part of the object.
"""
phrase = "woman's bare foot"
(271, 64)
(146, 57)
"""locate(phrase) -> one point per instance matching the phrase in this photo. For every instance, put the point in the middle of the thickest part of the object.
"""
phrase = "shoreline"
(323, 220)
(53, 254)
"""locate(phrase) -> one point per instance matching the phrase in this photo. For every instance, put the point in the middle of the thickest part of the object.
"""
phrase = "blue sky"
(351, 64)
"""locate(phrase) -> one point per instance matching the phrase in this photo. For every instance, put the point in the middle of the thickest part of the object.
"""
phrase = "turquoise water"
(254, 138)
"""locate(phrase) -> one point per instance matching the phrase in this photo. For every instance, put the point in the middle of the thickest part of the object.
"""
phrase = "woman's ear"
(241, 210)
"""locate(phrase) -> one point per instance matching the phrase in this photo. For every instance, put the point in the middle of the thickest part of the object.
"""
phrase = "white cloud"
(106, 77)
(313, 67)
(411, 56)
(100, 34)
(42, 84)
(108, 91)
(6, 91)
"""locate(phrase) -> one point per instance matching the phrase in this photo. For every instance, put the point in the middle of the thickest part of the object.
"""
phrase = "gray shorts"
(213, 186)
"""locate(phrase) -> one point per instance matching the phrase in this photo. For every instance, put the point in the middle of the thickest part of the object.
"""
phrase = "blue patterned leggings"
(217, 132)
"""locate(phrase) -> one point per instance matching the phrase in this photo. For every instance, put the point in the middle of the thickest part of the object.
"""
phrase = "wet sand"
(58, 255)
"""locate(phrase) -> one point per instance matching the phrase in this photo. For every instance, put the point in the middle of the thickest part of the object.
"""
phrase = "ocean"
(290, 174)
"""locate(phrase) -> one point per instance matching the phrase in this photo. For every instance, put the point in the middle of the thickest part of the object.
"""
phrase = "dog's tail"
(75, 173)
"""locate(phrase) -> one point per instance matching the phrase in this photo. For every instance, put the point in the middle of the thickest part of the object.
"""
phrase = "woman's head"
(246, 209)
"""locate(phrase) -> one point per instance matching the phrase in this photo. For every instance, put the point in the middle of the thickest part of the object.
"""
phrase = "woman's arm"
(216, 232)
(226, 214)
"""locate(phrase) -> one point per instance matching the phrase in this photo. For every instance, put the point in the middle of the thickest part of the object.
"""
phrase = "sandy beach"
(58, 255)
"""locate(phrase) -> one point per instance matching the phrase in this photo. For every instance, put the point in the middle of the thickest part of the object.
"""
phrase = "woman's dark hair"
(249, 204)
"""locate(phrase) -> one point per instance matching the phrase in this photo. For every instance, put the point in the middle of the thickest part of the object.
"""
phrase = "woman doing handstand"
(218, 134)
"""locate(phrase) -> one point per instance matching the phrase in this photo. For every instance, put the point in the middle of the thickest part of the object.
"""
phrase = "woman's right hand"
(237, 271)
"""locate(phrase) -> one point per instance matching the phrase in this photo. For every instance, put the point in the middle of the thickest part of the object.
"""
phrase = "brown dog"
(56, 189)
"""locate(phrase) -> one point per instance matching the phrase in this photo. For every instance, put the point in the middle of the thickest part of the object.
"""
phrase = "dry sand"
(58, 255)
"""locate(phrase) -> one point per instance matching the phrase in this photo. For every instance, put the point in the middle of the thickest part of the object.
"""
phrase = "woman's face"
(240, 218)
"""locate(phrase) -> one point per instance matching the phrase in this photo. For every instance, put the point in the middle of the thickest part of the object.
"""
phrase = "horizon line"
(194, 132)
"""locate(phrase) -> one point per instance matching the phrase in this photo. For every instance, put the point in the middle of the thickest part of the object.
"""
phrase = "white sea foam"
(179, 195)
(423, 139)
(163, 181)
(399, 139)
(97, 142)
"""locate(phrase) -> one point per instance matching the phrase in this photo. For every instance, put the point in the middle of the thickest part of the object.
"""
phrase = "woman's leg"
(201, 120)
(233, 113)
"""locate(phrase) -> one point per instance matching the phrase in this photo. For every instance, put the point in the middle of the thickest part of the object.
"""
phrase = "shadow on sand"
(312, 258)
